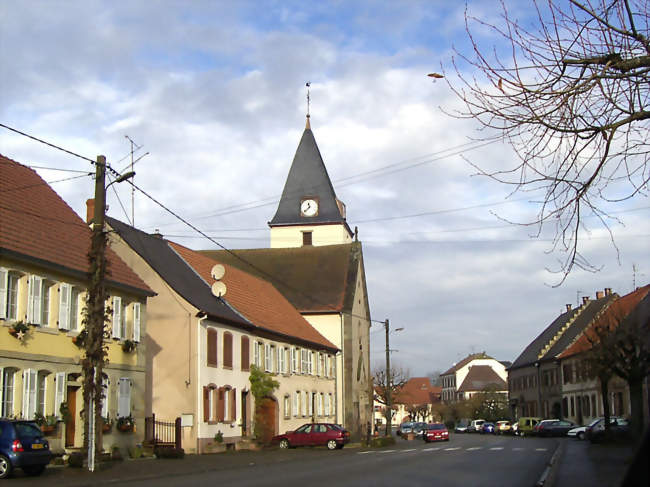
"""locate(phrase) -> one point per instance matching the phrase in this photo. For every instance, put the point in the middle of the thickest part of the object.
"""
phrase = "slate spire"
(308, 180)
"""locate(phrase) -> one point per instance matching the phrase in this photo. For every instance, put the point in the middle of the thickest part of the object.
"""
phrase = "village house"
(316, 262)
(413, 402)
(43, 289)
(475, 373)
(209, 322)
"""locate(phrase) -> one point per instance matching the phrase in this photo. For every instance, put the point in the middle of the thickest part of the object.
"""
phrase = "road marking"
(541, 449)
(475, 448)
(518, 449)
(431, 449)
(452, 449)
(364, 452)
(410, 449)
(496, 448)
(388, 451)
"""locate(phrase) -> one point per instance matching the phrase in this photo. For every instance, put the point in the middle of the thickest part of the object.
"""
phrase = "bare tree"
(571, 97)
(398, 377)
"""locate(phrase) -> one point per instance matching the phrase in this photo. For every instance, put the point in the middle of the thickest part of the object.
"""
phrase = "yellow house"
(43, 279)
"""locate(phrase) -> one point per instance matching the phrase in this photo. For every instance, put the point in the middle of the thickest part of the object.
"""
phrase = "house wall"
(51, 352)
(286, 237)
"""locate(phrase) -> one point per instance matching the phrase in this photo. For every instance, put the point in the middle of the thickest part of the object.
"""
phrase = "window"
(68, 307)
(281, 360)
(320, 404)
(268, 357)
(294, 360)
(7, 391)
(258, 351)
(38, 300)
(312, 399)
(227, 349)
(208, 404)
(41, 392)
(296, 403)
(29, 393)
(305, 400)
(124, 398)
(307, 238)
(118, 319)
(332, 407)
(319, 371)
(137, 309)
(310, 362)
(332, 372)
(287, 406)
(304, 367)
(327, 405)
(105, 383)
(8, 294)
(212, 347)
(245, 353)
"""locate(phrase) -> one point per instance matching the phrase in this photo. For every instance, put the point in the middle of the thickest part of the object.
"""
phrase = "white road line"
(410, 449)
(431, 449)
(387, 451)
(496, 448)
(452, 449)
(475, 448)
(364, 452)
(541, 449)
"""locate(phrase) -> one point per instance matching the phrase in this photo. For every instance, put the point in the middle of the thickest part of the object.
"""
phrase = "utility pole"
(389, 411)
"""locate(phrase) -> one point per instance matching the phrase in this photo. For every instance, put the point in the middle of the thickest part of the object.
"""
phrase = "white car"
(578, 432)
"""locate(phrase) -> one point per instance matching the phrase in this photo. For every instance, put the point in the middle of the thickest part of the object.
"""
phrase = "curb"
(548, 475)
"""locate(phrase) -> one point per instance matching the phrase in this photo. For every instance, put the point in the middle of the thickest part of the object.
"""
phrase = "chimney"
(568, 306)
(90, 210)
(156, 233)
(608, 291)
(585, 299)
(600, 294)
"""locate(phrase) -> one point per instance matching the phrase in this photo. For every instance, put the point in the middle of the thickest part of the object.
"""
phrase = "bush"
(382, 441)
(169, 452)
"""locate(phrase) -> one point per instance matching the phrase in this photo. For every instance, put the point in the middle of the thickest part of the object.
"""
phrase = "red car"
(436, 432)
(314, 434)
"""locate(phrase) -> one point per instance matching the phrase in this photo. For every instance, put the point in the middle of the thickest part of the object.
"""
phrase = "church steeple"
(308, 199)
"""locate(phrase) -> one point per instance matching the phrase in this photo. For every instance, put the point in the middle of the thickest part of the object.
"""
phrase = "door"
(72, 418)
(244, 413)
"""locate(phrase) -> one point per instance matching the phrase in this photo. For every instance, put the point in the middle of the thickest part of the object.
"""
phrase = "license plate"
(36, 446)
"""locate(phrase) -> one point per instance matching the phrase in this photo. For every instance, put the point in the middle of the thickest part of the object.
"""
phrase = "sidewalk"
(595, 465)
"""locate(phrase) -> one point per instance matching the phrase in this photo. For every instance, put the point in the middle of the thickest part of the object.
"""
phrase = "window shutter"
(136, 322)
(117, 318)
(105, 384)
(29, 393)
(4, 291)
(295, 403)
(59, 392)
(212, 346)
(267, 357)
(206, 404)
(245, 353)
(227, 349)
(34, 299)
(65, 291)
(220, 408)
(233, 404)
(124, 398)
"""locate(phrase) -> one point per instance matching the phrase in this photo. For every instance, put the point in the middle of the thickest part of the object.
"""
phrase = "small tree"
(398, 377)
(262, 387)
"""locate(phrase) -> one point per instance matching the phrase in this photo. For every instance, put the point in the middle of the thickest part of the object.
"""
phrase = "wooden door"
(72, 408)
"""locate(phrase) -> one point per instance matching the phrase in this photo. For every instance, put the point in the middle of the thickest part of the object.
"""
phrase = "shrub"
(382, 441)
(169, 452)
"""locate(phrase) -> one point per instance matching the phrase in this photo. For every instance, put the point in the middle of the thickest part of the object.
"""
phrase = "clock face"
(309, 207)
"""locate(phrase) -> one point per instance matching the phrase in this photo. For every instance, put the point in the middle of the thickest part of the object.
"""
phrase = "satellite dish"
(218, 271)
(219, 289)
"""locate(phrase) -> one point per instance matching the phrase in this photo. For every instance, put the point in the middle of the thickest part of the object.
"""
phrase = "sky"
(213, 95)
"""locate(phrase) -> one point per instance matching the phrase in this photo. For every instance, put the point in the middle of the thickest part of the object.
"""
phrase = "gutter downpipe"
(340, 370)
(199, 397)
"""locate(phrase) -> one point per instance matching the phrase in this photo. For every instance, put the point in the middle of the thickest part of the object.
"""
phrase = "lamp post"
(389, 411)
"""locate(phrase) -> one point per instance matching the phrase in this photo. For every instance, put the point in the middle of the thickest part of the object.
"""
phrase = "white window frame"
(305, 401)
(116, 324)
(294, 360)
(65, 305)
(304, 368)
(29, 393)
(59, 392)
(310, 363)
(287, 406)
(268, 357)
(327, 404)
(320, 404)
(41, 392)
(296, 403)
(310, 408)
(35, 300)
(281, 360)
(75, 294)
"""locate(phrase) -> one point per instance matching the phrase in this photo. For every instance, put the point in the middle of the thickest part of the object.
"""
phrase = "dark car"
(487, 428)
(314, 434)
(22, 446)
(618, 428)
(405, 428)
(435, 432)
(554, 428)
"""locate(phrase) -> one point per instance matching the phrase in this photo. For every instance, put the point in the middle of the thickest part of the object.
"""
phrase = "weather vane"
(308, 84)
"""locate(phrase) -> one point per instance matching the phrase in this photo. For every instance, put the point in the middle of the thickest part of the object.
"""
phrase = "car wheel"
(331, 445)
(5, 467)
(581, 436)
(34, 470)
(284, 444)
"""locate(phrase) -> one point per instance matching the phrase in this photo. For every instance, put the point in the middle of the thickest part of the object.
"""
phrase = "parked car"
(461, 426)
(554, 428)
(487, 428)
(503, 427)
(580, 431)
(435, 432)
(419, 428)
(404, 428)
(618, 428)
(541, 424)
(314, 434)
(475, 425)
(525, 425)
(23, 446)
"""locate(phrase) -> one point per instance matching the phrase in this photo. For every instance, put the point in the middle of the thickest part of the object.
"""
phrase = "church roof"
(308, 178)
(312, 278)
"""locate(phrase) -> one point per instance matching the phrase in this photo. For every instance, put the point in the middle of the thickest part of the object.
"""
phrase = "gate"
(162, 433)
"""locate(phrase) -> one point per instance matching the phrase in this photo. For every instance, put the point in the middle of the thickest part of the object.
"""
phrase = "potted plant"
(107, 425)
(80, 339)
(47, 423)
(19, 330)
(128, 346)
(66, 415)
(125, 424)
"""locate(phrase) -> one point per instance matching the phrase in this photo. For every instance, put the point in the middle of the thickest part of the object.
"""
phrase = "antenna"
(308, 84)
(134, 148)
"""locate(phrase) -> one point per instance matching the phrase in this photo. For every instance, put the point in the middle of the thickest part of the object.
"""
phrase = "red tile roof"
(611, 318)
(256, 299)
(418, 390)
(35, 222)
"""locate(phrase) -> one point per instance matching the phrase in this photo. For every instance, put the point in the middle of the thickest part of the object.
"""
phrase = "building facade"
(471, 375)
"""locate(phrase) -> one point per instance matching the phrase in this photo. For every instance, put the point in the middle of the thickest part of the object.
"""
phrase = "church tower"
(309, 213)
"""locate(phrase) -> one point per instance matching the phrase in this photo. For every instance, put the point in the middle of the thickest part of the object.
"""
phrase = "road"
(465, 460)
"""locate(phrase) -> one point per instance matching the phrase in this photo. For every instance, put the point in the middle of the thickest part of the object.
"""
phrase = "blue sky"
(215, 92)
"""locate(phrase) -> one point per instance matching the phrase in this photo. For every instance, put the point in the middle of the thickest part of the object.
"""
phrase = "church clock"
(309, 207)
